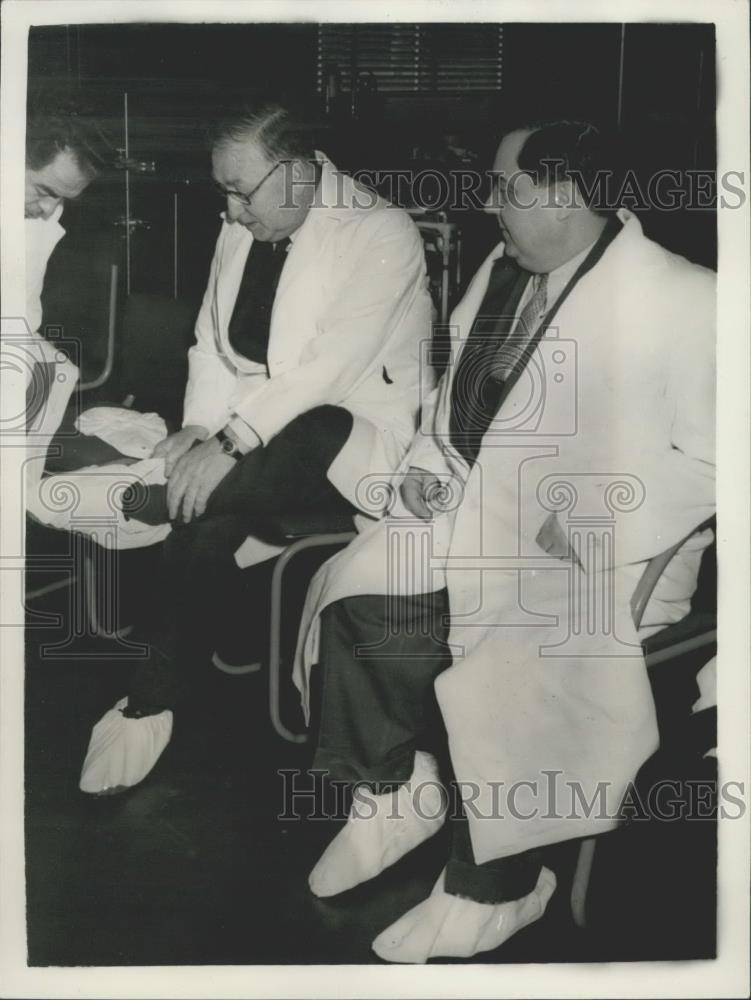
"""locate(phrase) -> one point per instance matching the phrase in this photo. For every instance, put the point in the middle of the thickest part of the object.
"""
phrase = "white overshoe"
(381, 829)
(445, 926)
(122, 751)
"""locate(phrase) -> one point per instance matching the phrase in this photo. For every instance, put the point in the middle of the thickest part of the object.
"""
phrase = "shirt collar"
(560, 276)
(53, 220)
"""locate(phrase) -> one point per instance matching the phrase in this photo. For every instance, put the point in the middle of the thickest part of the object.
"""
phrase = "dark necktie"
(251, 317)
(475, 393)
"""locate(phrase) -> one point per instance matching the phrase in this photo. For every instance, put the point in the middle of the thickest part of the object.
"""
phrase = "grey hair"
(280, 134)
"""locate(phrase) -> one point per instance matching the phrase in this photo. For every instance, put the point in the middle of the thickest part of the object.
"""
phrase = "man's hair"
(280, 133)
(50, 132)
(559, 151)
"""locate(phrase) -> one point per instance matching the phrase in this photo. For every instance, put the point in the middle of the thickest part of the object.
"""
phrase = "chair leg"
(581, 881)
(101, 587)
(275, 648)
(275, 637)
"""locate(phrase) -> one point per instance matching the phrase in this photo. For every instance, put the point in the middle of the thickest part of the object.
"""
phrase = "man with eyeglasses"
(304, 384)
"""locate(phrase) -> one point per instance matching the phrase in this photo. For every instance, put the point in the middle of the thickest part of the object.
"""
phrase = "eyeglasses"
(245, 199)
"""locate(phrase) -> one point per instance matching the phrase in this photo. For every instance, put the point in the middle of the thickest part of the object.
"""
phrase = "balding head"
(544, 217)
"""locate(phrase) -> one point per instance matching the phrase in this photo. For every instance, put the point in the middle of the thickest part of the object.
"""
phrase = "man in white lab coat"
(570, 442)
(65, 150)
(305, 379)
(63, 155)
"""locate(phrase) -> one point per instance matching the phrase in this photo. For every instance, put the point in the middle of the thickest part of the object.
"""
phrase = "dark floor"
(194, 866)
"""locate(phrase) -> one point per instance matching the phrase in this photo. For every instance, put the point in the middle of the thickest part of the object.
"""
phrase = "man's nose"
(48, 206)
(493, 204)
(235, 209)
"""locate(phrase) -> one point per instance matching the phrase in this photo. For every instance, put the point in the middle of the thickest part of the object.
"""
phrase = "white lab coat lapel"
(299, 291)
(229, 276)
(290, 317)
(464, 314)
(460, 323)
(302, 282)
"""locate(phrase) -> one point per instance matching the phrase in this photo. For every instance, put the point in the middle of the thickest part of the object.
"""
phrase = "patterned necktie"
(512, 349)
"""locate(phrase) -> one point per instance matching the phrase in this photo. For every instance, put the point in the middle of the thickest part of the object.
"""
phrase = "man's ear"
(298, 170)
(567, 198)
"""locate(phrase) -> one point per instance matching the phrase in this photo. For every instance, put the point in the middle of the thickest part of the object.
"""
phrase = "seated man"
(64, 153)
(304, 378)
(473, 611)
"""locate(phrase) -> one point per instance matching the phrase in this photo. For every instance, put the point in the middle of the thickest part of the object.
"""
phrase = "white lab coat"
(350, 314)
(87, 500)
(634, 346)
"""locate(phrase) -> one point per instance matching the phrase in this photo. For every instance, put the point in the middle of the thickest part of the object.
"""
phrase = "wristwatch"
(228, 446)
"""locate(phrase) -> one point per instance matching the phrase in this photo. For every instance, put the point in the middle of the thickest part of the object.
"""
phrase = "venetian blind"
(426, 58)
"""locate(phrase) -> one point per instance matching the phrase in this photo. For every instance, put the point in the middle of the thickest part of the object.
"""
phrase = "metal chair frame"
(322, 540)
(442, 238)
(639, 601)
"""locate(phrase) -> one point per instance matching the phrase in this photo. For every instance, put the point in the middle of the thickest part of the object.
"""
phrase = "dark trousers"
(374, 705)
(198, 573)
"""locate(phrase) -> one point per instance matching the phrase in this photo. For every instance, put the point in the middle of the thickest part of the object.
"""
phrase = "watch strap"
(228, 446)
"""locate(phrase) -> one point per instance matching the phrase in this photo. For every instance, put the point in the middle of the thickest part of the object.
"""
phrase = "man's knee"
(321, 422)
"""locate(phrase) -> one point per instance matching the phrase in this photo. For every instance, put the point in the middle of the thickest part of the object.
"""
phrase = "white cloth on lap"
(88, 501)
(133, 434)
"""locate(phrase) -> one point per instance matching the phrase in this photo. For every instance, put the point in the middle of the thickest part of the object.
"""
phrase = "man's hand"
(552, 539)
(416, 489)
(172, 448)
(195, 477)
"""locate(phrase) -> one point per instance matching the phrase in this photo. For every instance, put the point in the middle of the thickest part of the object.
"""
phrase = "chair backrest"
(155, 334)
(76, 295)
(654, 570)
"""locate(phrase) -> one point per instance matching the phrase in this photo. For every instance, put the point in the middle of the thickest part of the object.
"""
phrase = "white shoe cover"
(445, 926)
(122, 751)
(381, 829)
